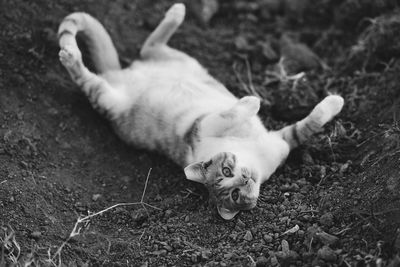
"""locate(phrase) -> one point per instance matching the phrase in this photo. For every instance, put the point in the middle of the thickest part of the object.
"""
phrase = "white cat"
(167, 101)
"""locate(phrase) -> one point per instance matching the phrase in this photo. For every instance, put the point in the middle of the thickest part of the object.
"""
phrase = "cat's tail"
(99, 43)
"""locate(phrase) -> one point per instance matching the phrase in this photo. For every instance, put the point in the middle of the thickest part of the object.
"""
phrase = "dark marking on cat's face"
(232, 187)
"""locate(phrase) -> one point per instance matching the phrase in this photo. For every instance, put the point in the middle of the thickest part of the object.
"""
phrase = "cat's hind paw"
(69, 56)
(327, 109)
(176, 13)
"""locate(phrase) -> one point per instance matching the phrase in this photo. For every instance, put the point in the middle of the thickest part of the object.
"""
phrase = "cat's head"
(232, 185)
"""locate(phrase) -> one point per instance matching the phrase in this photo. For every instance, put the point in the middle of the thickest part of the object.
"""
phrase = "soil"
(334, 203)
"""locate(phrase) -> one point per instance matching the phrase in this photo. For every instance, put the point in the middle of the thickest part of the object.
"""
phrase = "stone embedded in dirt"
(248, 236)
(307, 158)
(206, 254)
(195, 257)
(187, 218)
(327, 254)
(36, 235)
(268, 52)
(228, 255)
(240, 223)
(161, 252)
(325, 238)
(274, 261)
(268, 238)
(203, 10)
(95, 197)
(295, 9)
(298, 57)
(326, 219)
(262, 262)
(242, 44)
(285, 245)
(168, 213)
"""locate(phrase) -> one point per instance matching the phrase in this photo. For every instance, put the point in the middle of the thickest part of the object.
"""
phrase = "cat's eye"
(227, 172)
(235, 194)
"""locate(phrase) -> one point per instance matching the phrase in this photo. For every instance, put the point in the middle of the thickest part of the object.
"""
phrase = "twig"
(2, 182)
(86, 220)
(145, 185)
(253, 263)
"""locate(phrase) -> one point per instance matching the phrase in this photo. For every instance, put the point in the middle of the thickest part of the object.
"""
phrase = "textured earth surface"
(334, 203)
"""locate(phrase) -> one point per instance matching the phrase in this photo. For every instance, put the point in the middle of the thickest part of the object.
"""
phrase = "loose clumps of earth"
(334, 203)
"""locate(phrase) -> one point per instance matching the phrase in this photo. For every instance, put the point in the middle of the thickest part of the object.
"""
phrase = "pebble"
(240, 223)
(161, 252)
(248, 236)
(262, 262)
(168, 213)
(187, 218)
(36, 235)
(285, 246)
(206, 254)
(326, 219)
(268, 238)
(325, 238)
(326, 253)
(274, 261)
(228, 256)
(95, 197)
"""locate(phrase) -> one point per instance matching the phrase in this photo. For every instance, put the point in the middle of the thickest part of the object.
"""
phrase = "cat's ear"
(226, 214)
(195, 172)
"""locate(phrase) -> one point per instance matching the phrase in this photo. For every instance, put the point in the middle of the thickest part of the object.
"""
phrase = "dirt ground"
(334, 203)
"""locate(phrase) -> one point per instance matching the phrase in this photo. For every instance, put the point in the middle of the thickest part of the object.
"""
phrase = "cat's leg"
(155, 46)
(101, 94)
(301, 131)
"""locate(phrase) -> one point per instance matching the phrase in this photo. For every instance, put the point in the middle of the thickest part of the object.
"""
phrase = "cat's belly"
(164, 110)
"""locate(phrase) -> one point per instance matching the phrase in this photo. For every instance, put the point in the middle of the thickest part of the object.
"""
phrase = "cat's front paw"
(69, 56)
(176, 13)
(328, 108)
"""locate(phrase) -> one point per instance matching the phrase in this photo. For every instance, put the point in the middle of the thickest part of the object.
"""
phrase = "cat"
(166, 101)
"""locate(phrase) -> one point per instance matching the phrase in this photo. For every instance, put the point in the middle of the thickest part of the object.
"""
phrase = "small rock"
(248, 236)
(168, 213)
(161, 252)
(285, 246)
(262, 262)
(12, 199)
(187, 218)
(206, 254)
(95, 197)
(325, 238)
(326, 219)
(228, 255)
(307, 158)
(242, 44)
(36, 235)
(326, 253)
(168, 248)
(268, 238)
(233, 236)
(203, 10)
(240, 223)
(274, 261)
